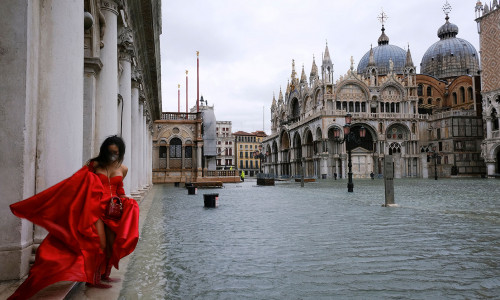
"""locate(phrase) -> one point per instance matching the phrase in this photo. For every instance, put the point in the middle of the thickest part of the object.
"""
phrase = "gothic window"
(420, 91)
(175, 148)
(462, 94)
(394, 148)
(188, 152)
(494, 119)
(429, 91)
(469, 92)
(163, 151)
(454, 98)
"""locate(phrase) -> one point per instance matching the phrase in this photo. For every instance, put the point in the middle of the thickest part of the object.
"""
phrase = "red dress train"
(69, 210)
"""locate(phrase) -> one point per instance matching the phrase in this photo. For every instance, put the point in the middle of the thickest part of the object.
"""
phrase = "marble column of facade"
(92, 67)
(60, 107)
(140, 151)
(107, 85)
(146, 148)
(150, 152)
(489, 128)
(143, 145)
(125, 88)
(134, 143)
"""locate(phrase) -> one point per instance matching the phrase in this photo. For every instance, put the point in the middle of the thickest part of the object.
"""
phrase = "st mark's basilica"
(429, 121)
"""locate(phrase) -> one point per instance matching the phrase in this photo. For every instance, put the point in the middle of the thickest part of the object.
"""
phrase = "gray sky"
(246, 47)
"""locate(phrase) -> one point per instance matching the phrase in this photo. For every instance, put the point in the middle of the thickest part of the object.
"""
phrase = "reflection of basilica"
(407, 115)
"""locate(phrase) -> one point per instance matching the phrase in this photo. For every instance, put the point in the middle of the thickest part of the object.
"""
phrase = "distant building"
(225, 146)
(488, 19)
(407, 115)
(247, 148)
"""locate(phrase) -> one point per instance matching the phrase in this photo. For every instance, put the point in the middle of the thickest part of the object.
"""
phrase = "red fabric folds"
(71, 251)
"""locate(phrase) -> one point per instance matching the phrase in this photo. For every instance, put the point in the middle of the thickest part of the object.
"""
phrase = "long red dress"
(69, 210)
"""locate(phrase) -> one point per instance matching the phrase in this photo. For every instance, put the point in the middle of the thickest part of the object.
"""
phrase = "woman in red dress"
(83, 243)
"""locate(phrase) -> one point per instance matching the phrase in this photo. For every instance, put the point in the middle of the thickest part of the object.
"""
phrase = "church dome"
(450, 56)
(381, 55)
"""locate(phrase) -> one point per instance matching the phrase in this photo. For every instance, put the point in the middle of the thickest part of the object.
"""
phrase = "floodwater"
(320, 242)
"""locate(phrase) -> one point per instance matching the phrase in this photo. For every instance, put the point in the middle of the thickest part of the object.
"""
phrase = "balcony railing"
(221, 173)
(452, 113)
(178, 116)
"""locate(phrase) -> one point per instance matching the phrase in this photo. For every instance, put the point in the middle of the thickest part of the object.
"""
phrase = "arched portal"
(309, 153)
(285, 154)
(295, 110)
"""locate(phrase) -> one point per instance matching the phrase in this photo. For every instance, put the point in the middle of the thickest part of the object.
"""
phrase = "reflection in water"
(320, 242)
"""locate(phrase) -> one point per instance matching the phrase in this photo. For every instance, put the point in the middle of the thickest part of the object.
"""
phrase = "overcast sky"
(246, 47)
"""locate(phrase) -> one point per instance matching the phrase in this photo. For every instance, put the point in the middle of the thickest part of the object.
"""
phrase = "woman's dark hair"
(103, 158)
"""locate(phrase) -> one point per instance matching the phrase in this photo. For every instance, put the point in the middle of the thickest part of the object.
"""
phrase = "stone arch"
(297, 145)
(294, 112)
(397, 131)
(388, 85)
(284, 141)
(359, 85)
(308, 106)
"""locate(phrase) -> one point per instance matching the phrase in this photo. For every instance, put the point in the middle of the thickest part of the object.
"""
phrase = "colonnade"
(65, 90)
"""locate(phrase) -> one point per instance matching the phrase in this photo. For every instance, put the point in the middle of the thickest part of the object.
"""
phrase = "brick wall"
(490, 49)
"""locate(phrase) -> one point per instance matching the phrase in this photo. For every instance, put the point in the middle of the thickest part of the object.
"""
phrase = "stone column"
(425, 167)
(140, 129)
(107, 85)
(125, 87)
(134, 143)
(19, 29)
(92, 67)
(60, 94)
(488, 128)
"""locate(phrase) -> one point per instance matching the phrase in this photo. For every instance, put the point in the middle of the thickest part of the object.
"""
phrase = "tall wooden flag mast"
(178, 98)
(197, 81)
(186, 91)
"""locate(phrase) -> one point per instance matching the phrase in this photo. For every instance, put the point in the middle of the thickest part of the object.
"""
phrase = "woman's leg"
(110, 239)
(99, 225)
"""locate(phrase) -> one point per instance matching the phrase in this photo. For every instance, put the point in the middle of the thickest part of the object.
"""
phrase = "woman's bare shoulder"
(124, 169)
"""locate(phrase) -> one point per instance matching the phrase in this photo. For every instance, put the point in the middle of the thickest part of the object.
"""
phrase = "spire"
(371, 61)
(409, 61)
(287, 88)
(280, 97)
(303, 78)
(314, 68)
(326, 57)
(274, 100)
(293, 70)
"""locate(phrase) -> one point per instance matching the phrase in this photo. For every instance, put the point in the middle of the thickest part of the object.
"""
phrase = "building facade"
(410, 116)
(79, 71)
(488, 19)
(248, 146)
(225, 145)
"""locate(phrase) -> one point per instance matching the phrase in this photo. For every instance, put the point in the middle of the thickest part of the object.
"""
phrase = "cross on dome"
(447, 8)
(383, 17)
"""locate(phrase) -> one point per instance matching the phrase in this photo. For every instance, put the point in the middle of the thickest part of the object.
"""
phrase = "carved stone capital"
(92, 65)
(111, 5)
(126, 44)
(136, 75)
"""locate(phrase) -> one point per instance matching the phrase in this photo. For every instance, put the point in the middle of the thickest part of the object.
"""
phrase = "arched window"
(469, 92)
(175, 148)
(462, 94)
(429, 91)
(188, 152)
(420, 91)
(494, 119)
(420, 101)
(429, 101)
(454, 98)
(163, 151)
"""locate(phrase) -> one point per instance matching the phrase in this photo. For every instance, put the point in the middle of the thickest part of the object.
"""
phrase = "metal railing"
(178, 116)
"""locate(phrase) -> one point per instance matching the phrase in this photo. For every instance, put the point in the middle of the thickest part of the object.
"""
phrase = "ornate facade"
(407, 115)
(488, 19)
(78, 71)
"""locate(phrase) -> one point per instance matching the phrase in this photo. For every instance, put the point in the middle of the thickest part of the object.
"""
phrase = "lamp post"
(349, 137)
